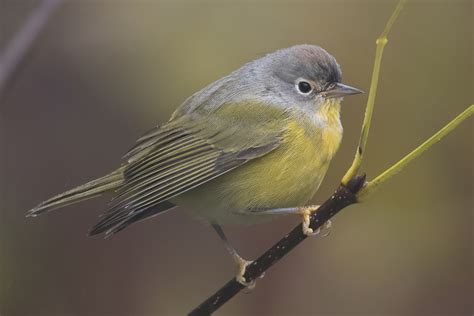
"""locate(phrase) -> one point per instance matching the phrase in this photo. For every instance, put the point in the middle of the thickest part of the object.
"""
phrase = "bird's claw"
(306, 214)
(242, 266)
(308, 231)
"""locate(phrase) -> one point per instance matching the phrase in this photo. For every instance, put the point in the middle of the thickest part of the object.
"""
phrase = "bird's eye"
(304, 87)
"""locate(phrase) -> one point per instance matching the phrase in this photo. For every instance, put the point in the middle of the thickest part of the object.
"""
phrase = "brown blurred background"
(103, 72)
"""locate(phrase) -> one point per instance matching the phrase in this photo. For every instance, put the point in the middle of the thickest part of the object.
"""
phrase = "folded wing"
(185, 153)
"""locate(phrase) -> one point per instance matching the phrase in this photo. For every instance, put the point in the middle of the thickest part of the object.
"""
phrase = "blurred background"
(103, 72)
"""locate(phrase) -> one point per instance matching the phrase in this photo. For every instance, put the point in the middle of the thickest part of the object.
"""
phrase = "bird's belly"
(289, 176)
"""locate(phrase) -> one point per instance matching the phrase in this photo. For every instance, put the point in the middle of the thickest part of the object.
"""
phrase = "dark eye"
(304, 87)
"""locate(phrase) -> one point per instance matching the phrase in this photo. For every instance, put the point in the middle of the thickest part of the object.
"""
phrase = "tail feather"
(83, 192)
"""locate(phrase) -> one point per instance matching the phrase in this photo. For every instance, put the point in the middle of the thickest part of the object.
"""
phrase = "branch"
(21, 43)
(396, 168)
(343, 197)
(381, 42)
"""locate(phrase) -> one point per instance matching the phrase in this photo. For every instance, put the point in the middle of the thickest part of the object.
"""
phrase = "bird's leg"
(241, 263)
(304, 211)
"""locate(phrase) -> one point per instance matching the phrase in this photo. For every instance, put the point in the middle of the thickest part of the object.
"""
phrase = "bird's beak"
(340, 90)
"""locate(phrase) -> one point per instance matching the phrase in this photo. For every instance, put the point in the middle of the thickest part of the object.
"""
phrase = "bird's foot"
(242, 265)
(306, 212)
(241, 268)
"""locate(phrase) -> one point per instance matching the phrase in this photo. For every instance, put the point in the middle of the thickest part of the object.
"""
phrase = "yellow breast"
(289, 176)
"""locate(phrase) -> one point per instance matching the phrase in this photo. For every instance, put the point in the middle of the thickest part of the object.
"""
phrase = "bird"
(249, 147)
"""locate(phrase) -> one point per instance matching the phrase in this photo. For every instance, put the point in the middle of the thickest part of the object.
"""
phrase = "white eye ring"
(304, 87)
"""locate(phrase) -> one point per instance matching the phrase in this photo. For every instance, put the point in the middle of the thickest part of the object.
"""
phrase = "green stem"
(384, 176)
(381, 42)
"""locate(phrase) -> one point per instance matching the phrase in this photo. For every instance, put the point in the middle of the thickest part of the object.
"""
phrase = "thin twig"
(20, 44)
(381, 42)
(397, 167)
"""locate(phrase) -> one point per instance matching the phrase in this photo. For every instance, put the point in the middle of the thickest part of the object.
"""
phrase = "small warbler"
(250, 146)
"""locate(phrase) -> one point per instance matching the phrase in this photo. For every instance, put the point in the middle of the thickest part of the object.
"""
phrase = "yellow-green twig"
(381, 42)
(384, 176)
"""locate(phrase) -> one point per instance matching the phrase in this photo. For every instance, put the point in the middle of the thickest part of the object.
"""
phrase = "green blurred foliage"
(103, 72)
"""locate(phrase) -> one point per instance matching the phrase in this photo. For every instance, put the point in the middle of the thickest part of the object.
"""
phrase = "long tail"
(83, 192)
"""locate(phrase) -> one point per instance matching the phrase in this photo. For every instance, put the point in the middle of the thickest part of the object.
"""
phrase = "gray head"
(303, 75)
(300, 64)
(306, 75)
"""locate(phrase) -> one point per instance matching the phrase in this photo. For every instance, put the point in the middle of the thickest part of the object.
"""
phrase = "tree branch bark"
(344, 196)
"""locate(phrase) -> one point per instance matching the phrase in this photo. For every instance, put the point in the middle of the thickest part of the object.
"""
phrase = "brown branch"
(17, 49)
(342, 197)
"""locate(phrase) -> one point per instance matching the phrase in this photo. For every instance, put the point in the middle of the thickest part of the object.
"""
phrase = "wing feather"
(176, 157)
(178, 164)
